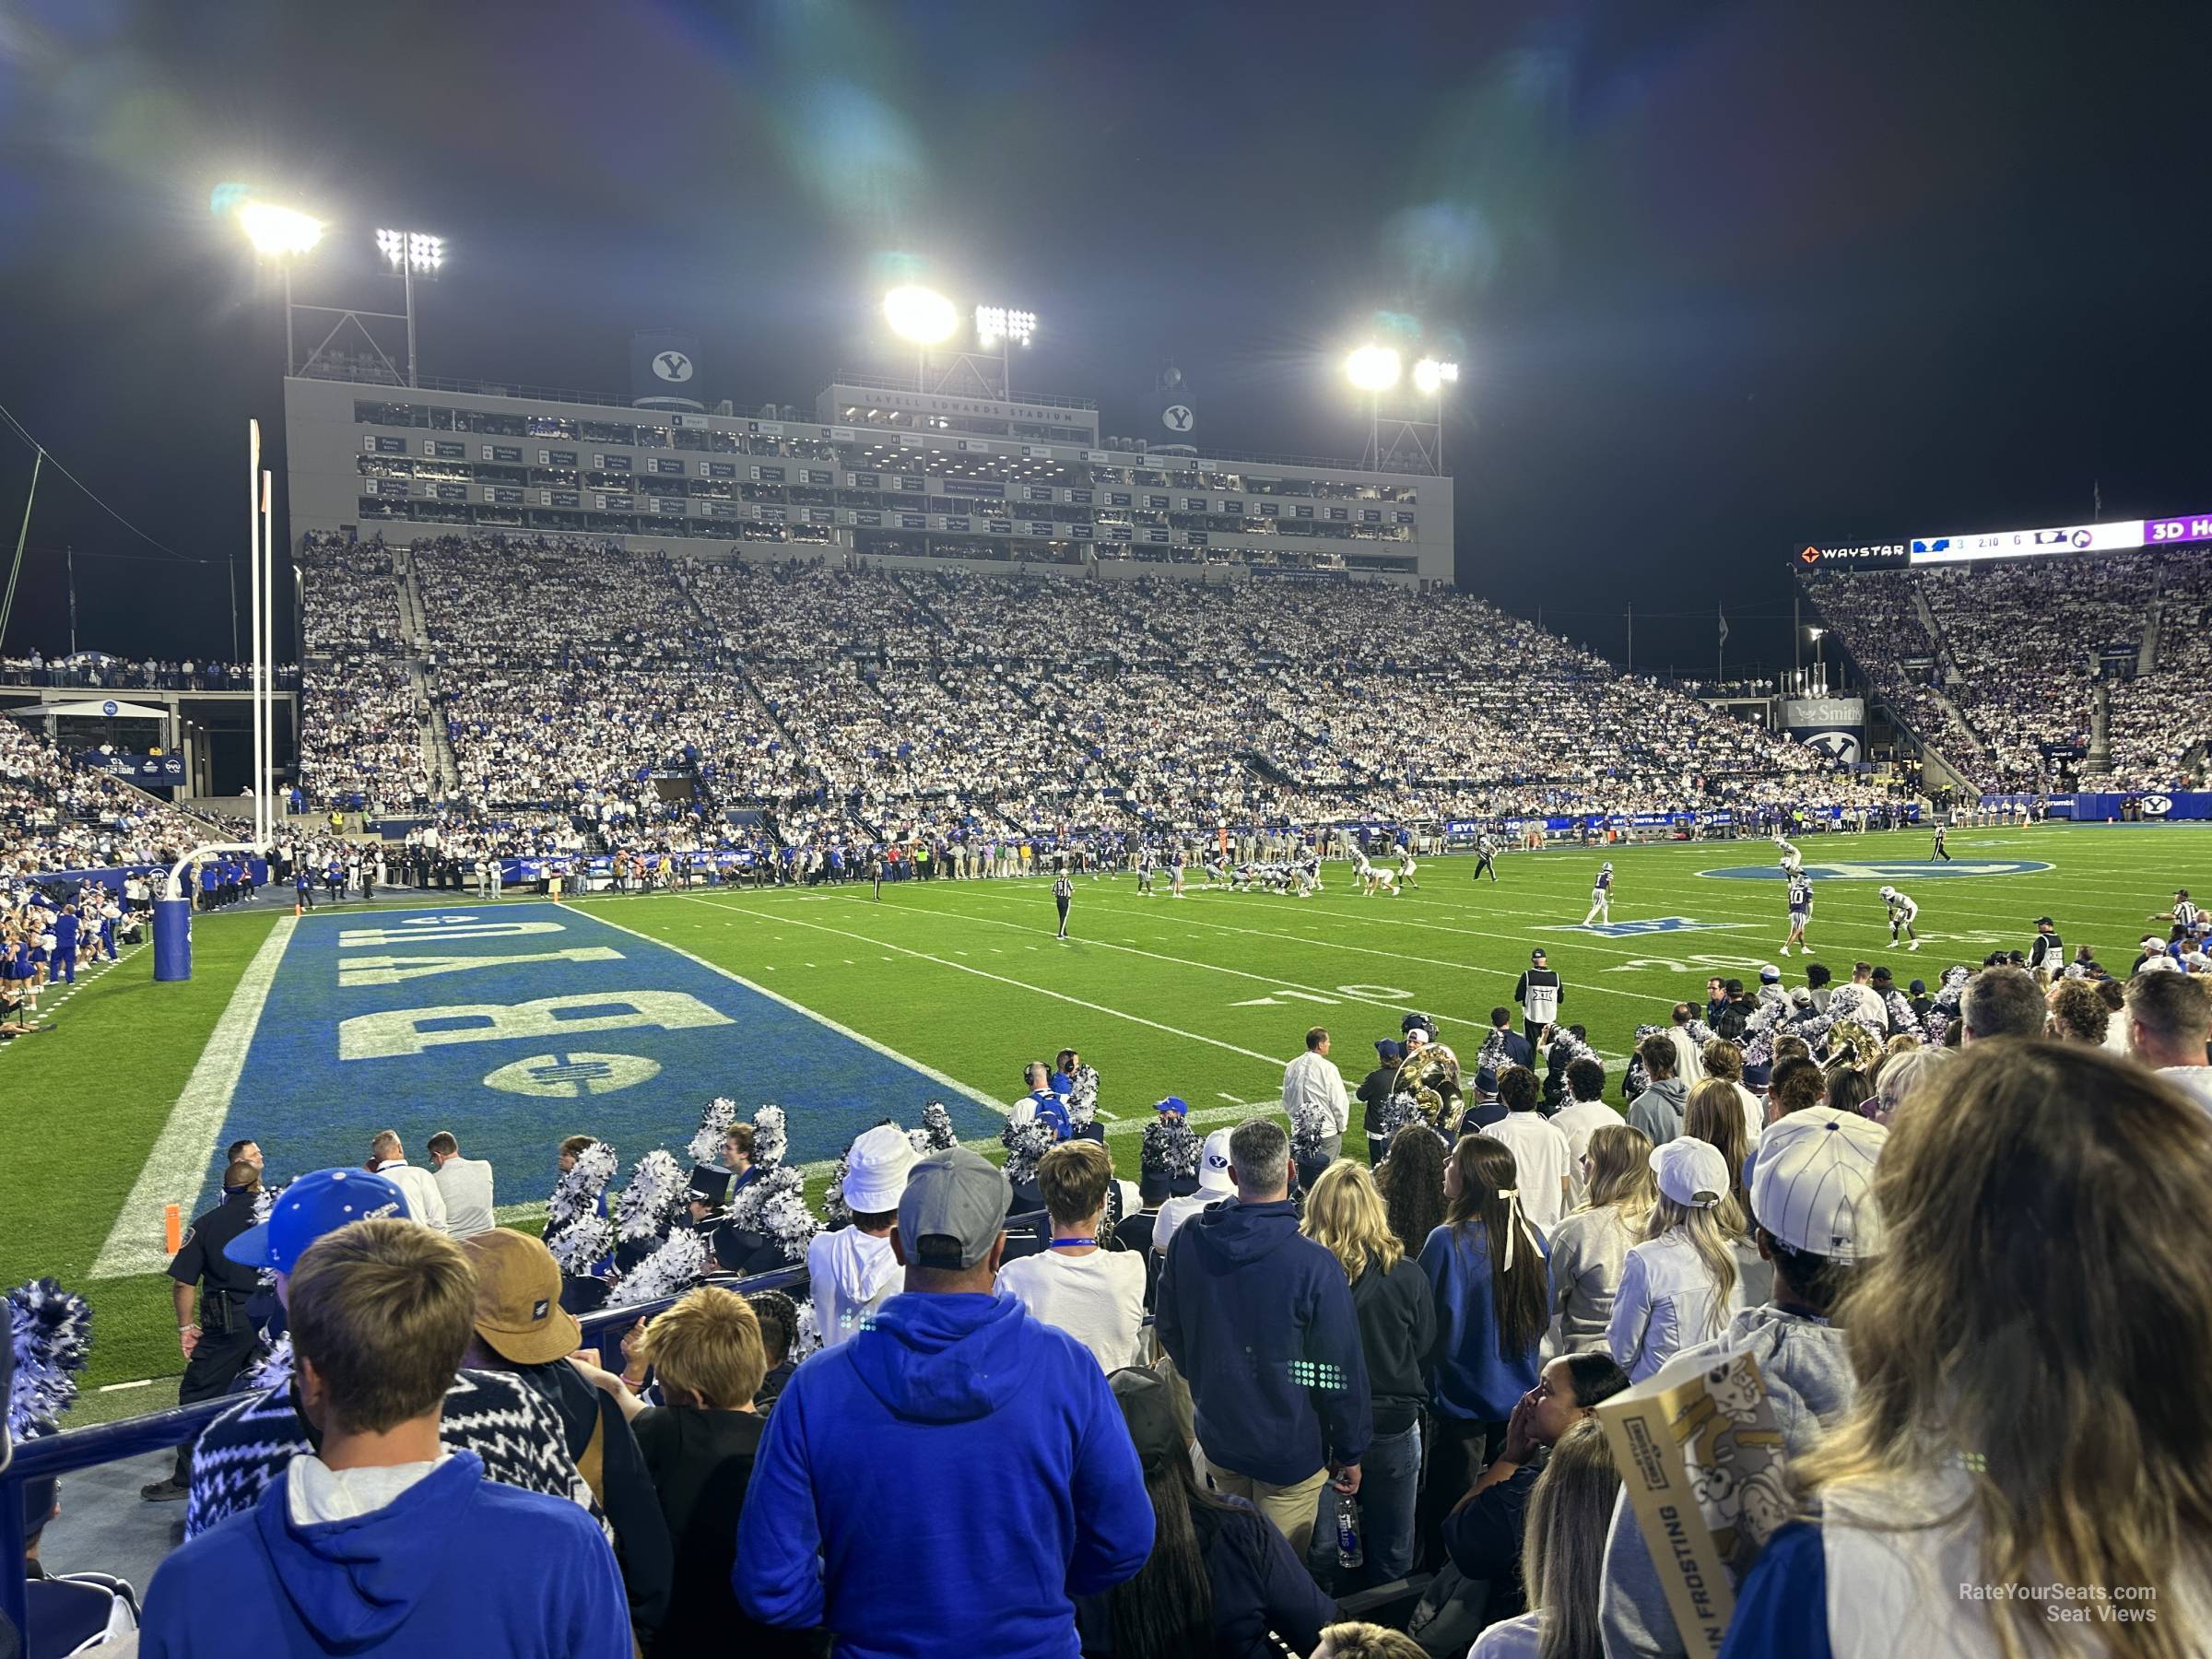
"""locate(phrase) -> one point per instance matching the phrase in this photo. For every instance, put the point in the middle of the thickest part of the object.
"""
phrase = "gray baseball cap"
(953, 1209)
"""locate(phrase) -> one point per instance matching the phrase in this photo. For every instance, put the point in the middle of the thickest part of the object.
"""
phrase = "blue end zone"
(514, 1025)
(1887, 870)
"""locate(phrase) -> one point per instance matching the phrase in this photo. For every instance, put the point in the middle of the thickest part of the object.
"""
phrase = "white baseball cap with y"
(1213, 1164)
(1813, 1185)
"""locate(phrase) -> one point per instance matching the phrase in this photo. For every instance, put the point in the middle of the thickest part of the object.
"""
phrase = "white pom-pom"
(713, 1123)
(671, 1270)
(656, 1186)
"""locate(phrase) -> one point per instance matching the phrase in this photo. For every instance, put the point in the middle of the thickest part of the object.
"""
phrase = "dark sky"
(1722, 277)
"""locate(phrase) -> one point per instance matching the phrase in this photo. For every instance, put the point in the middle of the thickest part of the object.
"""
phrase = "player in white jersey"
(1791, 858)
(1375, 879)
(1407, 867)
(1601, 897)
(1902, 913)
(1801, 905)
(1485, 856)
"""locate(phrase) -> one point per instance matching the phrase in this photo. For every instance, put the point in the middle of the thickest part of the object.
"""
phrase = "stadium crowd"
(1996, 662)
(1265, 1398)
(852, 706)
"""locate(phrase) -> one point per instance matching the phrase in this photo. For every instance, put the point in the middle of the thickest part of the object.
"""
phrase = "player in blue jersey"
(1601, 897)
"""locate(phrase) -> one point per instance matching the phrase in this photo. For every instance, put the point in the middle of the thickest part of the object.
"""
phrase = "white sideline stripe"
(1020, 985)
(178, 1163)
(931, 1072)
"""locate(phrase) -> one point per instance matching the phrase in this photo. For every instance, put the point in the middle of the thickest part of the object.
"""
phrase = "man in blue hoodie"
(949, 1480)
(1259, 1320)
(381, 1541)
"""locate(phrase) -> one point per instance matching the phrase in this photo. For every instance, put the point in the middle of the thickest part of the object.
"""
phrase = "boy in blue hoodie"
(1259, 1320)
(382, 1542)
(949, 1480)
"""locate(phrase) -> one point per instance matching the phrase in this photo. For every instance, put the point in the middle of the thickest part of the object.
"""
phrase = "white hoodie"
(851, 1273)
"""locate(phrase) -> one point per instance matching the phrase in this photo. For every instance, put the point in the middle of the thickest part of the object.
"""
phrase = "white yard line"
(931, 1072)
(177, 1164)
(1270, 1060)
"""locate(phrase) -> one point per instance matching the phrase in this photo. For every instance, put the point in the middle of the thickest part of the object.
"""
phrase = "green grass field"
(1205, 997)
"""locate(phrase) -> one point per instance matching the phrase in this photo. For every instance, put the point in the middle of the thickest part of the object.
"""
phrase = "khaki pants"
(1291, 1508)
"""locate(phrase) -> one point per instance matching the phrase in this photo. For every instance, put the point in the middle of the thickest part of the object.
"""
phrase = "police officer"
(217, 1344)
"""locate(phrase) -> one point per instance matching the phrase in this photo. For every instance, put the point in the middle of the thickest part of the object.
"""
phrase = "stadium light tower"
(997, 326)
(1431, 378)
(924, 316)
(1374, 370)
(411, 253)
(281, 235)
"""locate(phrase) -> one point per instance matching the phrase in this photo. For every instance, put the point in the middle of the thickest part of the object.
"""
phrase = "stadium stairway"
(2146, 654)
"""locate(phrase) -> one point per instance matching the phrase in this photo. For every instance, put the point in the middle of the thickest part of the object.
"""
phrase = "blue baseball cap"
(1174, 1103)
(310, 1207)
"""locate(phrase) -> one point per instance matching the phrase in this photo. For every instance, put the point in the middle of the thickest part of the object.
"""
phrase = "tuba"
(1426, 1077)
(1850, 1044)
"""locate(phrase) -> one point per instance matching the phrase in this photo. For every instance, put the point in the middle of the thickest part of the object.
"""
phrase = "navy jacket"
(1260, 1322)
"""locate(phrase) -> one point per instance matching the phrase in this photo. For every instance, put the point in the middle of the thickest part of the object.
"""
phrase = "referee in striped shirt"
(1064, 890)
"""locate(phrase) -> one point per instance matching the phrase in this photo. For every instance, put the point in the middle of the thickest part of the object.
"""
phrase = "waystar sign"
(1873, 553)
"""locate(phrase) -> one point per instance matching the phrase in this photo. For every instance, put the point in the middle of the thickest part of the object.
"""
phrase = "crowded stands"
(1995, 664)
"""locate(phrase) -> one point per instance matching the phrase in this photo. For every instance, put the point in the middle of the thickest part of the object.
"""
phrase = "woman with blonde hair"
(1590, 1246)
(1900, 1077)
(1562, 1554)
(1714, 1118)
(2025, 1345)
(1398, 1324)
(1680, 1285)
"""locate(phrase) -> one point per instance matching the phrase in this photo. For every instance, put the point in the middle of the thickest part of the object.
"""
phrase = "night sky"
(1722, 278)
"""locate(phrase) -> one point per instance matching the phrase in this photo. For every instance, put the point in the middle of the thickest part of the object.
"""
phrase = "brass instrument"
(1427, 1076)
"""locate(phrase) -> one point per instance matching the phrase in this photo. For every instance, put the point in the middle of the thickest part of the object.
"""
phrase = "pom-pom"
(807, 1337)
(1171, 1151)
(583, 1245)
(1026, 1143)
(769, 1137)
(936, 1129)
(578, 1191)
(1083, 1096)
(264, 1205)
(51, 1330)
(671, 1270)
(713, 1123)
(657, 1187)
(786, 1219)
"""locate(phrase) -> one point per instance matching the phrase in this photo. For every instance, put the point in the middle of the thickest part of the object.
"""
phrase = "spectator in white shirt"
(2169, 1023)
(1678, 1287)
(1543, 1157)
(465, 1185)
(1315, 1102)
(426, 1203)
(1590, 1248)
(852, 1272)
(1096, 1296)
(1689, 1060)
(1215, 1183)
(1583, 1117)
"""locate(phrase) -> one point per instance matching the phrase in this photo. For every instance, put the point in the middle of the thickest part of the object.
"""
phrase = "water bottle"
(1349, 1551)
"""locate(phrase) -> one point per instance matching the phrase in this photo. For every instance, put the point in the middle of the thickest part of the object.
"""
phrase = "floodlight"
(1430, 376)
(411, 250)
(277, 232)
(1373, 367)
(920, 314)
(995, 322)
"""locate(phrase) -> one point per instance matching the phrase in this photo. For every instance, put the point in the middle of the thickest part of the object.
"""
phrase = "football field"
(518, 1022)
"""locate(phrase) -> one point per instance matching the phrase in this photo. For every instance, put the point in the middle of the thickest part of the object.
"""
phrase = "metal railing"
(76, 1449)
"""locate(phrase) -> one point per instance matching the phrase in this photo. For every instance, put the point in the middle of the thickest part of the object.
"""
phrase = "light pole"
(996, 325)
(411, 253)
(1819, 664)
(1374, 370)
(1431, 378)
(281, 234)
(924, 316)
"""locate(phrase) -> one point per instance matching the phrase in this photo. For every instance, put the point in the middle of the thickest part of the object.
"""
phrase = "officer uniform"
(227, 1333)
